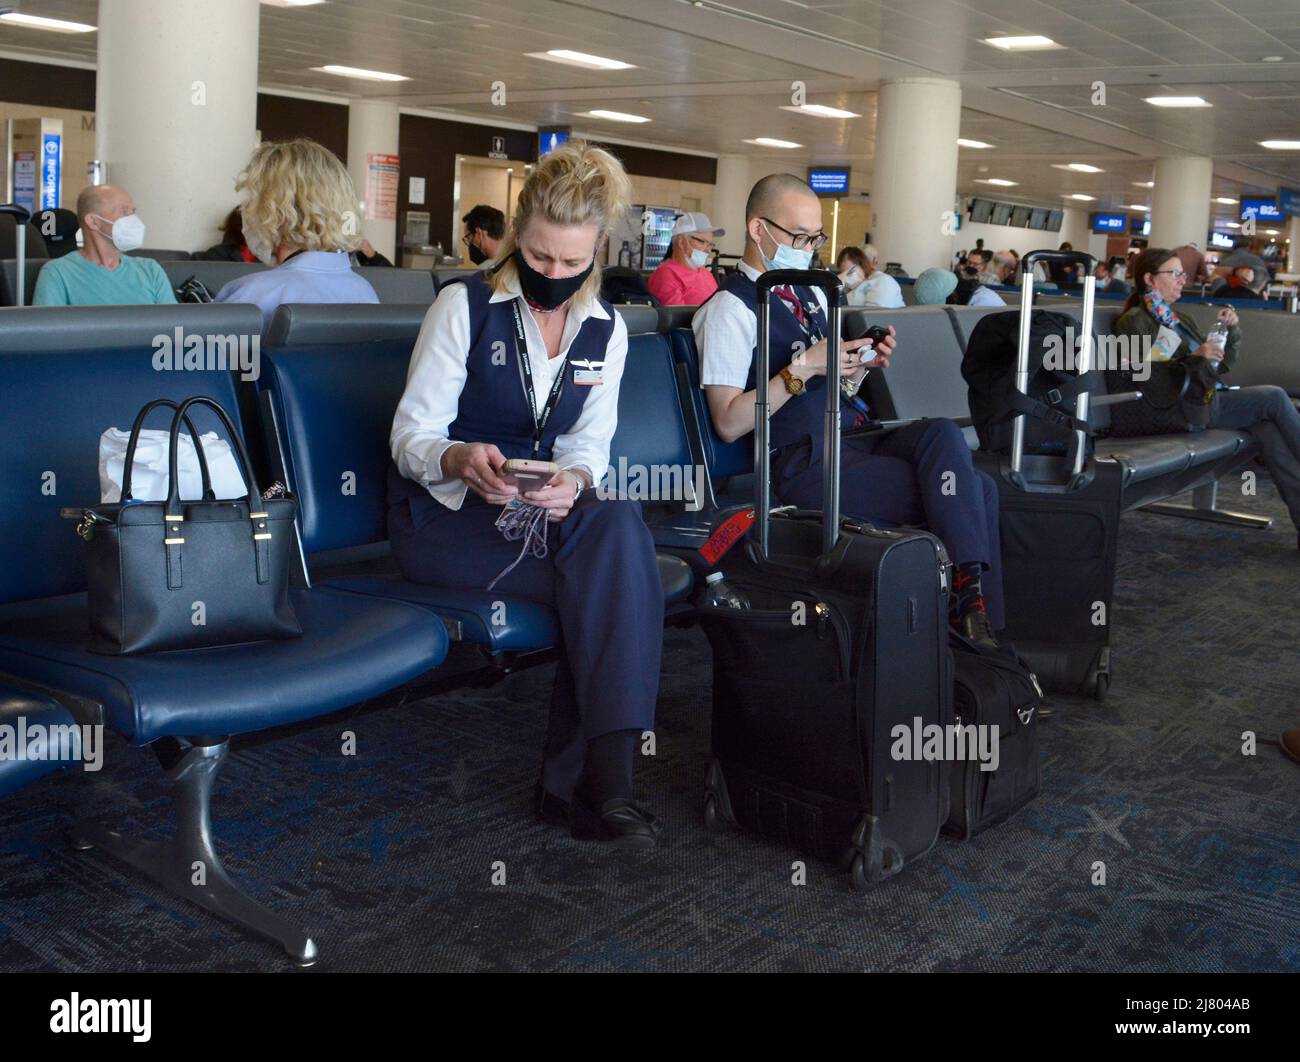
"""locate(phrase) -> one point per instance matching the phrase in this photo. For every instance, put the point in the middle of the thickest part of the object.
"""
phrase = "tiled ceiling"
(711, 74)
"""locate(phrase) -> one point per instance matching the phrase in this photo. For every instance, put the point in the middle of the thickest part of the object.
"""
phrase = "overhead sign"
(1262, 209)
(1288, 199)
(498, 148)
(25, 180)
(550, 139)
(1109, 222)
(829, 181)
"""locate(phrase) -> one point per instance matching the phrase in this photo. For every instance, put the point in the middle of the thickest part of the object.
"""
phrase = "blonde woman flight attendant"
(525, 362)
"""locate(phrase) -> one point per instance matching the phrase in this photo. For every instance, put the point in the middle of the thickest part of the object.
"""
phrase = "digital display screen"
(1054, 220)
(1001, 213)
(1109, 222)
(1038, 218)
(1218, 239)
(981, 210)
(1020, 216)
(1264, 209)
(829, 182)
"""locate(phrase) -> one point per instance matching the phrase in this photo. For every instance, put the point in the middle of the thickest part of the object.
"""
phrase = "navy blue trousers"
(918, 475)
(601, 577)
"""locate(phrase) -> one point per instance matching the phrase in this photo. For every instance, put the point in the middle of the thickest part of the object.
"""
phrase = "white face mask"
(127, 232)
(699, 259)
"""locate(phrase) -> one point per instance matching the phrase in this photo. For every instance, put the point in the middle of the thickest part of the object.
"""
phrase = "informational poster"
(51, 164)
(416, 195)
(381, 186)
(550, 139)
(25, 180)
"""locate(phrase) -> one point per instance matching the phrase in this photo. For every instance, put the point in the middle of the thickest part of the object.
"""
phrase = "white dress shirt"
(983, 296)
(437, 376)
(726, 332)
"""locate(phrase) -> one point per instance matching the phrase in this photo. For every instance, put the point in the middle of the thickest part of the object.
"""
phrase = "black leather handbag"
(187, 574)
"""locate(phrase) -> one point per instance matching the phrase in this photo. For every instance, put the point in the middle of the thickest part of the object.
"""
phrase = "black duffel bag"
(187, 574)
(1177, 395)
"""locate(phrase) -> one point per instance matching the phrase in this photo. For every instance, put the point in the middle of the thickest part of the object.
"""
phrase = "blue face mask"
(784, 257)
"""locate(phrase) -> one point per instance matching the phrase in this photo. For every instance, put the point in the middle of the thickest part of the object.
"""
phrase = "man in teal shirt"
(100, 273)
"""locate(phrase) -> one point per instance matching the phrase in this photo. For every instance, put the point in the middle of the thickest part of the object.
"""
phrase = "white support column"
(176, 110)
(915, 179)
(1074, 229)
(1180, 202)
(372, 129)
(730, 190)
(1293, 251)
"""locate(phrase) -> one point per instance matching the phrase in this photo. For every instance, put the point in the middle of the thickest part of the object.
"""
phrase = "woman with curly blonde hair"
(300, 215)
(526, 363)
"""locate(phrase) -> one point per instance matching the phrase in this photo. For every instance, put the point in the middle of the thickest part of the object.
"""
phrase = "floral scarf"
(1159, 309)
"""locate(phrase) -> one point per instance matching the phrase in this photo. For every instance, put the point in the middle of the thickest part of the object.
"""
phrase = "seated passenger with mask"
(485, 227)
(683, 277)
(101, 273)
(920, 474)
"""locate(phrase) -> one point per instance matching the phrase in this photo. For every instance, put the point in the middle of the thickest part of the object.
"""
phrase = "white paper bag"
(149, 469)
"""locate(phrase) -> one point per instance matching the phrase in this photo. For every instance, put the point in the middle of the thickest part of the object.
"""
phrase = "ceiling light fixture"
(1144, 184)
(963, 142)
(1082, 198)
(363, 75)
(1225, 200)
(54, 25)
(1178, 101)
(1137, 206)
(1022, 44)
(996, 180)
(820, 110)
(767, 141)
(1281, 145)
(617, 116)
(590, 62)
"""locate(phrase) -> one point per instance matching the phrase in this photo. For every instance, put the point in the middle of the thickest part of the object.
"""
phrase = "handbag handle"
(129, 462)
(245, 466)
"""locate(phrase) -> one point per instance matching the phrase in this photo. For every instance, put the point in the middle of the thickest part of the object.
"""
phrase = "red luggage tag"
(726, 535)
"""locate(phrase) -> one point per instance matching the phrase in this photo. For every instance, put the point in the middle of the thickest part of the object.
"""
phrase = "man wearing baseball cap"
(682, 278)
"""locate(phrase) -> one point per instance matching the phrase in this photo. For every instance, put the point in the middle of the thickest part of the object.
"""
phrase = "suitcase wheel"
(718, 815)
(874, 858)
(1101, 686)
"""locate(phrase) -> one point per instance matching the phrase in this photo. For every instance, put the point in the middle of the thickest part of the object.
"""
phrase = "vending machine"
(641, 239)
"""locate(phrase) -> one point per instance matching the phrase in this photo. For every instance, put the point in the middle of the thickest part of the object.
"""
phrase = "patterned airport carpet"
(387, 857)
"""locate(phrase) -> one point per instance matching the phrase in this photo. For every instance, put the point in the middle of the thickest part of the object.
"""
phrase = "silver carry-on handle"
(1085, 360)
(21, 218)
(831, 284)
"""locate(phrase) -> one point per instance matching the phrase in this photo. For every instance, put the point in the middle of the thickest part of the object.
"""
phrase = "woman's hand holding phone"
(479, 465)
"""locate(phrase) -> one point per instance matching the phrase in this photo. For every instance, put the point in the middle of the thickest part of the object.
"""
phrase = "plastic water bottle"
(720, 595)
(1218, 336)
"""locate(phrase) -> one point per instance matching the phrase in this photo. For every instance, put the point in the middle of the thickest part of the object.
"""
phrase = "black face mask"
(476, 256)
(548, 292)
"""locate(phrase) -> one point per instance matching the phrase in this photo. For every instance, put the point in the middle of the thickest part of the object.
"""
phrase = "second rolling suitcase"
(1060, 525)
(840, 651)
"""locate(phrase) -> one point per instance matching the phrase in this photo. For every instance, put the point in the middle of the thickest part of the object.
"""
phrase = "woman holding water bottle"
(1266, 412)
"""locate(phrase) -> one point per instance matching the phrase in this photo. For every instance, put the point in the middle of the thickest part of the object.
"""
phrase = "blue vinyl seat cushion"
(352, 648)
(35, 710)
(522, 626)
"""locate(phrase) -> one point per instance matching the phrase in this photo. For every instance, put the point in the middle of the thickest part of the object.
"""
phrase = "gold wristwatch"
(792, 383)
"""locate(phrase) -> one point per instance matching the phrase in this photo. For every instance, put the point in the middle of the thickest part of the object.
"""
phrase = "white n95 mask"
(127, 232)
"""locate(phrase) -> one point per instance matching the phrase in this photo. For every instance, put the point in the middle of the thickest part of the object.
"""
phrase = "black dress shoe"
(549, 807)
(621, 822)
(975, 625)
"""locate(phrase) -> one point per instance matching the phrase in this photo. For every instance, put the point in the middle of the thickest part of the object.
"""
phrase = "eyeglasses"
(703, 244)
(467, 239)
(801, 241)
(1177, 274)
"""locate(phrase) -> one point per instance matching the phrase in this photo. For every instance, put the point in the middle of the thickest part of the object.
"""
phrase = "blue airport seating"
(21, 706)
(330, 384)
(69, 374)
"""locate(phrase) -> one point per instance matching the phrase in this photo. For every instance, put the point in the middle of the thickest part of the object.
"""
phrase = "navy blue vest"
(803, 417)
(493, 406)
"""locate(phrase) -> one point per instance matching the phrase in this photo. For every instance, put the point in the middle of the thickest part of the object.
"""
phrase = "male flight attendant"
(920, 474)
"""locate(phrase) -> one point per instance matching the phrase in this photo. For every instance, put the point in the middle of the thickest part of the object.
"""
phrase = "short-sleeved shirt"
(879, 290)
(312, 276)
(74, 280)
(674, 284)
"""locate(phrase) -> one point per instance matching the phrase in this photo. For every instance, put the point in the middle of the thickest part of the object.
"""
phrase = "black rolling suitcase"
(1060, 524)
(843, 648)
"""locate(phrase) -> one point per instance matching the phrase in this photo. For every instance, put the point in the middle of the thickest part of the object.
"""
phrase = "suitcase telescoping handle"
(831, 284)
(21, 217)
(1084, 362)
